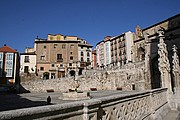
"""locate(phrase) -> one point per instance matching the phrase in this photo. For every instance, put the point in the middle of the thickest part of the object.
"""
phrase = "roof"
(7, 49)
(176, 16)
(30, 53)
(56, 41)
(88, 45)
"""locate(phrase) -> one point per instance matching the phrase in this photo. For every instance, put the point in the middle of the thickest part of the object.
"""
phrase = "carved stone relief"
(164, 66)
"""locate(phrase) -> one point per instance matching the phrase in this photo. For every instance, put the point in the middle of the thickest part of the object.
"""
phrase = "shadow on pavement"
(11, 101)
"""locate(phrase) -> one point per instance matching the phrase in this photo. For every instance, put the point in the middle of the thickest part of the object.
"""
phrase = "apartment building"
(84, 55)
(28, 61)
(115, 49)
(9, 65)
(94, 59)
(58, 56)
(121, 48)
(103, 52)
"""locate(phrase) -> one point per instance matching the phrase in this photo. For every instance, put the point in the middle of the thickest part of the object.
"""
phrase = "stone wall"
(131, 77)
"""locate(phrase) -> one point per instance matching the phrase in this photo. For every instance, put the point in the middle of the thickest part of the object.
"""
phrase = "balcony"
(60, 60)
(26, 61)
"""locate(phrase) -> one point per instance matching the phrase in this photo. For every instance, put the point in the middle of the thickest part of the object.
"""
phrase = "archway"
(141, 54)
(80, 71)
(45, 75)
(155, 74)
(72, 73)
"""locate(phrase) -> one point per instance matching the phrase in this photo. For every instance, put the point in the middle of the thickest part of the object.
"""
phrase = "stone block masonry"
(129, 78)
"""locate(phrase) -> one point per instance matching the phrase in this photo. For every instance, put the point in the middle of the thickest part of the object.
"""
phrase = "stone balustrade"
(149, 104)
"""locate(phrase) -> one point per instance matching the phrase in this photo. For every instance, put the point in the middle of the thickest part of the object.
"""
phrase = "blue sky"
(21, 21)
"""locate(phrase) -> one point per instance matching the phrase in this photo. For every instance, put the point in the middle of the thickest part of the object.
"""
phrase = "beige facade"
(57, 56)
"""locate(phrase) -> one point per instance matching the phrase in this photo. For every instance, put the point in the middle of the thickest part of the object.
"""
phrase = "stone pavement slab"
(172, 115)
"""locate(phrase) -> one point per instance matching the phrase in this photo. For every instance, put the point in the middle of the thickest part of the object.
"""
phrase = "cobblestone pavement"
(17, 101)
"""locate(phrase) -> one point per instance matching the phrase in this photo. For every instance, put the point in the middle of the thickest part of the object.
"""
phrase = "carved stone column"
(175, 98)
(147, 62)
(164, 66)
(176, 68)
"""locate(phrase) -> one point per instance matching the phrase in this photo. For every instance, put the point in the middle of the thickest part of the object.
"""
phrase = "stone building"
(146, 47)
(134, 56)
(84, 55)
(58, 56)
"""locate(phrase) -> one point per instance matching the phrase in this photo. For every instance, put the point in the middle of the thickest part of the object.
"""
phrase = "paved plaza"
(16, 101)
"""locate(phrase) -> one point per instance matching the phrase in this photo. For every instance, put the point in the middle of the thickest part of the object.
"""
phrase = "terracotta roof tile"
(7, 49)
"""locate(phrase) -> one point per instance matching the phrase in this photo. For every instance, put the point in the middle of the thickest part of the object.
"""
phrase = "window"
(88, 60)
(71, 57)
(44, 47)
(26, 69)
(55, 45)
(71, 53)
(1, 63)
(1, 56)
(59, 58)
(82, 59)
(81, 47)
(9, 56)
(82, 54)
(26, 60)
(9, 64)
(87, 53)
(61, 65)
(53, 75)
(64, 46)
(1, 69)
(41, 68)
(42, 57)
(52, 65)
(72, 46)
(70, 64)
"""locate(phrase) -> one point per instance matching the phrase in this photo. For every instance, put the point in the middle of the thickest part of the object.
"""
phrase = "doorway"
(45, 75)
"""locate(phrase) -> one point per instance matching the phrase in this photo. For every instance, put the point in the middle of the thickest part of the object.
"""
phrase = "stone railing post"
(152, 110)
(158, 103)
(90, 110)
